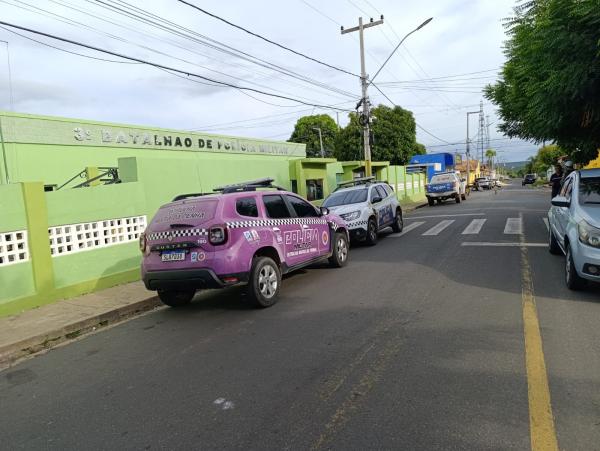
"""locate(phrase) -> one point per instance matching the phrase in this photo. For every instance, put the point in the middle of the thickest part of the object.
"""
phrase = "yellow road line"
(541, 420)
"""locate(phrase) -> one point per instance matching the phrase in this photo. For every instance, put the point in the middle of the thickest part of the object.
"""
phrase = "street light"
(6, 177)
(398, 46)
(320, 140)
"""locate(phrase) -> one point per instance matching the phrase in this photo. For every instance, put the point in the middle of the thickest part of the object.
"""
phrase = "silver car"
(574, 226)
(367, 206)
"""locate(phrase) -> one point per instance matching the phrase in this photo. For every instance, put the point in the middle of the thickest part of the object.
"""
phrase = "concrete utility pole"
(320, 140)
(468, 151)
(365, 117)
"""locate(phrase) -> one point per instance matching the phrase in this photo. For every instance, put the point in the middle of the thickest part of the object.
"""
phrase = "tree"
(549, 87)
(305, 131)
(490, 154)
(393, 137)
(546, 157)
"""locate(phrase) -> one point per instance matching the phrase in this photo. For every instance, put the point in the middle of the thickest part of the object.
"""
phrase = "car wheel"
(176, 298)
(398, 223)
(430, 201)
(339, 257)
(457, 198)
(553, 246)
(265, 282)
(463, 196)
(574, 282)
(372, 232)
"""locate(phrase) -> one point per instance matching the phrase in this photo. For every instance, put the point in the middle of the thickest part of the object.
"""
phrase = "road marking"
(474, 227)
(500, 244)
(407, 229)
(446, 216)
(436, 229)
(546, 223)
(541, 421)
(514, 226)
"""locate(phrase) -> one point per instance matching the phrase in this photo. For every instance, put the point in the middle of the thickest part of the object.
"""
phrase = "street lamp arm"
(398, 46)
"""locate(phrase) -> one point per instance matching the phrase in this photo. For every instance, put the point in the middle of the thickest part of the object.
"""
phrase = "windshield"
(589, 190)
(346, 198)
(446, 178)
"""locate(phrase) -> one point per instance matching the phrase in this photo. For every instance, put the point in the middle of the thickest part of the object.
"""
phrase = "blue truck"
(446, 186)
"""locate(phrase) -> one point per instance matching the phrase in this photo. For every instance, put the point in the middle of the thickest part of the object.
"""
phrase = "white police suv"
(367, 206)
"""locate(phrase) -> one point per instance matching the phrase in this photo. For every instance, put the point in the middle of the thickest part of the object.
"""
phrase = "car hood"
(591, 214)
(343, 209)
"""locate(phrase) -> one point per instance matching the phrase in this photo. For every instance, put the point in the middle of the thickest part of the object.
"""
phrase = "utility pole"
(365, 117)
(320, 140)
(468, 151)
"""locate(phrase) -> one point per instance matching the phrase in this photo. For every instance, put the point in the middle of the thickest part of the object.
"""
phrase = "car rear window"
(346, 197)
(246, 206)
(589, 190)
(444, 178)
(276, 207)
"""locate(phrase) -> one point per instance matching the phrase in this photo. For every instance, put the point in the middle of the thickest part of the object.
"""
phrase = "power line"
(196, 37)
(267, 39)
(421, 128)
(161, 66)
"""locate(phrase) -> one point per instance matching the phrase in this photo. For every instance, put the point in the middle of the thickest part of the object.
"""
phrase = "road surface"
(430, 340)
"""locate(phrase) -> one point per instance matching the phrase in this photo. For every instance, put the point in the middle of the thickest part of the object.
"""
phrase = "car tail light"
(143, 242)
(217, 234)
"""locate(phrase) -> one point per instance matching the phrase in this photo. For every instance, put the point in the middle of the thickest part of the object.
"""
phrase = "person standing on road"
(556, 180)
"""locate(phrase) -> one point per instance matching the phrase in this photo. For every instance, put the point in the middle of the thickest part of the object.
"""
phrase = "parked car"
(574, 227)
(445, 186)
(483, 183)
(250, 233)
(367, 206)
(529, 179)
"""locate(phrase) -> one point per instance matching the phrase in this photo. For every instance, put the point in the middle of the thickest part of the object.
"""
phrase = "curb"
(12, 352)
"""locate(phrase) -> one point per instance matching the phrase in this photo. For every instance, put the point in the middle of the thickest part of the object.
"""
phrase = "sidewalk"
(407, 208)
(43, 328)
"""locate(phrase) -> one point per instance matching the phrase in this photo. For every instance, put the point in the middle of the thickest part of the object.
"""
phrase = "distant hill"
(515, 165)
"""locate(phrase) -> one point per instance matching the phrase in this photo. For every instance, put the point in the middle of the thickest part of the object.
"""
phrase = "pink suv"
(244, 233)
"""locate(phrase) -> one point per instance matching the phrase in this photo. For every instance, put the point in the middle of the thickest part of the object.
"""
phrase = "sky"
(438, 73)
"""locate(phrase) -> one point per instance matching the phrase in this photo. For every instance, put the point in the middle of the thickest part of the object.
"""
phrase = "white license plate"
(173, 256)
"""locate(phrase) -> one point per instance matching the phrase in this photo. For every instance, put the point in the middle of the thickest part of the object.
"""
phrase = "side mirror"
(376, 200)
(561, 201)
(324, 211)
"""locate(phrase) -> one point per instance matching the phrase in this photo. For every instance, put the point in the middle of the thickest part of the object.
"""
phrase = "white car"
(367, 206)
(447, 185)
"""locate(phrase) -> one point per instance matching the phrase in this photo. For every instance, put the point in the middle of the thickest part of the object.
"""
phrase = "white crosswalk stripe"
(435, 230)
(408, 228)
(474, 227)
(514, 226)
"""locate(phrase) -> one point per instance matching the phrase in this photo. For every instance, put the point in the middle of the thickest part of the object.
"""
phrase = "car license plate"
(172, 256)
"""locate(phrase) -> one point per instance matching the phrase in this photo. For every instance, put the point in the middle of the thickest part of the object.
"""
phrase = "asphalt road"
(417, 344)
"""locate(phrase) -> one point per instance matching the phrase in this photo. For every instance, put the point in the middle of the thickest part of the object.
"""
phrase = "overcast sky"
(438, 73)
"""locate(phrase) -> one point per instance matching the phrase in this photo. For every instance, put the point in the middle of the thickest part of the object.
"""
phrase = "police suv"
(367, 206)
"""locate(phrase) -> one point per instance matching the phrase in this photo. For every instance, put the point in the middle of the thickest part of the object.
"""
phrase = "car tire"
(339, 257)
(176, 298)
(553, 246)
(463, 196)
(264, 282)
(572, 279)
(431, 201)
(398, 223)
(371, 232)
(457, 198)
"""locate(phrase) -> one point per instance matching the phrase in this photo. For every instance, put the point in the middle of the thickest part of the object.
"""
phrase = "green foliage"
(394, 137)
(547, 156)
(304, 132)
(549, 88)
